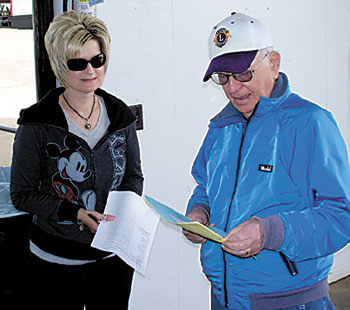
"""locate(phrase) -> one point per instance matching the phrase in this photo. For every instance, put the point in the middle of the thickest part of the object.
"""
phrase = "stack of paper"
(131, 234)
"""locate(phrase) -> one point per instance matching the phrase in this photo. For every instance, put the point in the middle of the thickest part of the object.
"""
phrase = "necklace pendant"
(87, 124)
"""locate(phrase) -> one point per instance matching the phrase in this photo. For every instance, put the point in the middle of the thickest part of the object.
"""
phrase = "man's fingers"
(244, 240)
(194, 238)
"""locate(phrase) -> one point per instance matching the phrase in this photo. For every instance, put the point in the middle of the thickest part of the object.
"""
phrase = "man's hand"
(198, 215)
(245, 240)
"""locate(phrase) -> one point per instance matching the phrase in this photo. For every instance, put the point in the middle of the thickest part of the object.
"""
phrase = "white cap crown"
(238, 33)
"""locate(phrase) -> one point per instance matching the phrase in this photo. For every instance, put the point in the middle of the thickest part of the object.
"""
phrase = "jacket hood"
(230, 115)
(48, 111)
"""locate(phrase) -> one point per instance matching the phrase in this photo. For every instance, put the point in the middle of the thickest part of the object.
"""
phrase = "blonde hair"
(66, 37)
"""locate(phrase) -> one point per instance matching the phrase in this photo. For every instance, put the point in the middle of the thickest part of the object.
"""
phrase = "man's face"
(246, 95)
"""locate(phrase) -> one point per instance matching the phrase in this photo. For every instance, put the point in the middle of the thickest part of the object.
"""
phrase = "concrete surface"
(340, 294)
(17, 82)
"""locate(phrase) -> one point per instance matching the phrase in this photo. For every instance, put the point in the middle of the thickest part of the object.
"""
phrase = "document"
(174, 217)
(131, 234)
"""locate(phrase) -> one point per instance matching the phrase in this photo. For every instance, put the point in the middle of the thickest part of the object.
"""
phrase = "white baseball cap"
(234, 43)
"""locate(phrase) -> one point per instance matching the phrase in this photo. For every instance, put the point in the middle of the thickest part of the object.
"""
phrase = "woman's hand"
(92, 219)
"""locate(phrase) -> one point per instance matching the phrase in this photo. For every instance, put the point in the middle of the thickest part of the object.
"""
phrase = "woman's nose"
(89, 68)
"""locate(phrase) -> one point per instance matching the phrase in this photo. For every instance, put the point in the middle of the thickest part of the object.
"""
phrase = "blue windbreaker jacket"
(288, 160)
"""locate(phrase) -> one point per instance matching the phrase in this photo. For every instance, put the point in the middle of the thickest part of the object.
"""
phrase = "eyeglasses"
(221, 78)
(80, 64)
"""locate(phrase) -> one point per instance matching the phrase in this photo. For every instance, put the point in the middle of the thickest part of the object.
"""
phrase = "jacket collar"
(48, 111)
(279, 94)
(230, 115)
(227, 116)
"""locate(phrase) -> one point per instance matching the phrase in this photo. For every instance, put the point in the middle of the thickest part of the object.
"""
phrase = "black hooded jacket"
(54, 173)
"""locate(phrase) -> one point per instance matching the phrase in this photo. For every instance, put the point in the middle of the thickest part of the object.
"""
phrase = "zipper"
(229, 211)
(237, 171)
(93, 166)
(92, 152)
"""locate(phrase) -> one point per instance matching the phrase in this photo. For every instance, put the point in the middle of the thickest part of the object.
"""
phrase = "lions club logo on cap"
(221, 37)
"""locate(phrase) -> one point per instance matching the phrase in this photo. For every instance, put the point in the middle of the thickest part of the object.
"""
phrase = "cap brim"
(231, 62)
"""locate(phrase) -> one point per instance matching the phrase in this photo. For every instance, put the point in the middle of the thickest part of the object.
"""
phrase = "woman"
(71, 148)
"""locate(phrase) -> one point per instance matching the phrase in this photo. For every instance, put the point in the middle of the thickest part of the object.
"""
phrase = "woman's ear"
(275, 60)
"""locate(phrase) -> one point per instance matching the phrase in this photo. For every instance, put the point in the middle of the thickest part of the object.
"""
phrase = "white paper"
(131, 234)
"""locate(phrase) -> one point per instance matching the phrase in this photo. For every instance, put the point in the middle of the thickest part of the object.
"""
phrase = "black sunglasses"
(80, 64)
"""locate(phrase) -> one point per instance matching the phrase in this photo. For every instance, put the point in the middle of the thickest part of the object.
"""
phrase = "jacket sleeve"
(133, 179)
(199, 198)
(26, 173)
(319, 167)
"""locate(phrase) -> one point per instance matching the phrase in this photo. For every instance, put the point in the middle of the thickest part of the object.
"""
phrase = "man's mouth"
(242, 98)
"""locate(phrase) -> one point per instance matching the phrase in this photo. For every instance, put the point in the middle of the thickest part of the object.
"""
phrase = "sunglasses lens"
(77, 64)
(98, 61)
(80, 64)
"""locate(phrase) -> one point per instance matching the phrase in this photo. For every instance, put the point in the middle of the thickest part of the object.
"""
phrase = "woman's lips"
(89, 80)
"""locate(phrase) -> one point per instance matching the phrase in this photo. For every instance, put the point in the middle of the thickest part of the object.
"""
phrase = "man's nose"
(232, 84)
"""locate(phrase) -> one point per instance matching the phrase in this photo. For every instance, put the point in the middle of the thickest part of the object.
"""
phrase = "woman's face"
(89, 79)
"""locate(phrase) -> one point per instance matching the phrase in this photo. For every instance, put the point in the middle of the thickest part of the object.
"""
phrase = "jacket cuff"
(68, 211)
(273, 232)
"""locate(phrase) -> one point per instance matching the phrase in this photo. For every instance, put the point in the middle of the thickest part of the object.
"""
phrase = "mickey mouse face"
(74, 167)
(71, 163)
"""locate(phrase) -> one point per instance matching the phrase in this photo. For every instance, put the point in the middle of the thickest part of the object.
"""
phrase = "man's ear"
(275, 60)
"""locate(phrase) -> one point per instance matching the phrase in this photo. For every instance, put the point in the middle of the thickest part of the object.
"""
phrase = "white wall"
(159, 55)
(21, 7)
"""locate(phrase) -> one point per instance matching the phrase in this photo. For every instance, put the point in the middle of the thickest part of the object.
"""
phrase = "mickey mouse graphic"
(72, 169)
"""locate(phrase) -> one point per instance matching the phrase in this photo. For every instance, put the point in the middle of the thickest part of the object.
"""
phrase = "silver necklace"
(87, 124)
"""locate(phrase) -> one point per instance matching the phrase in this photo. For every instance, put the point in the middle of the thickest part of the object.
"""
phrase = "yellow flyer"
(176, 218)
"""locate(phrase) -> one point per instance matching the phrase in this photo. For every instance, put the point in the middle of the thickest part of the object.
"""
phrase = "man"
(273, 173)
